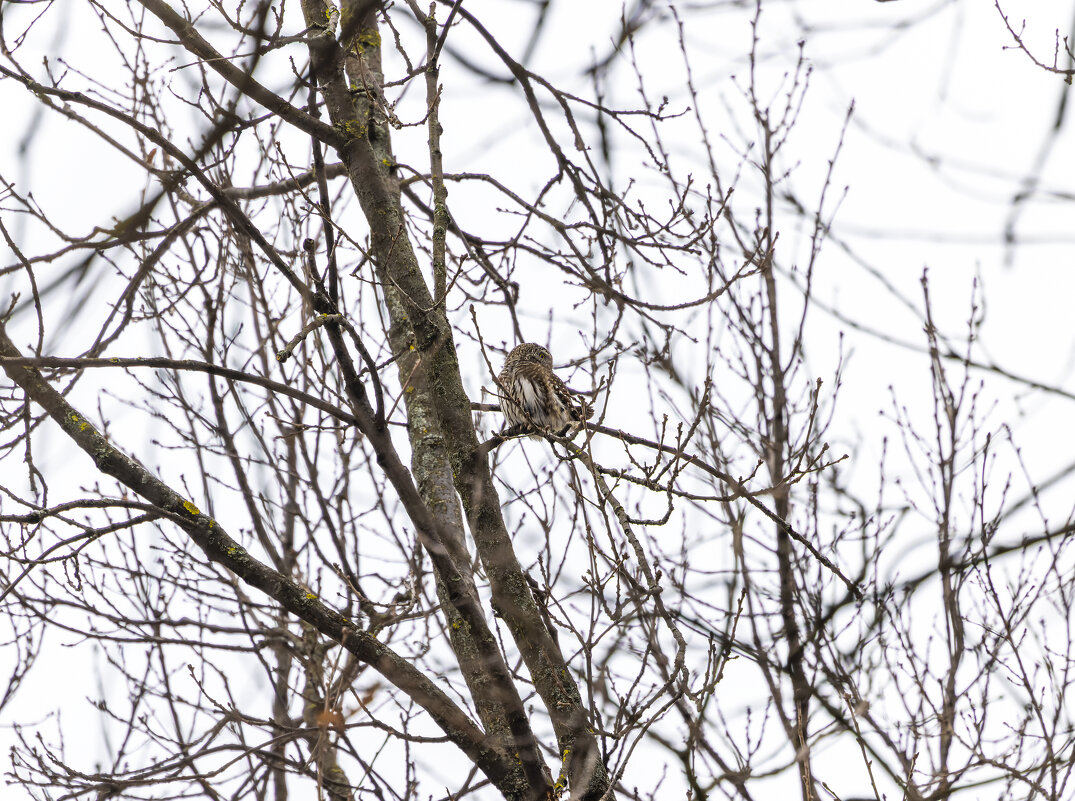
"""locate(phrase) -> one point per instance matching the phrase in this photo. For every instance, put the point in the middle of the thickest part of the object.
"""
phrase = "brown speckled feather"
(533, 398)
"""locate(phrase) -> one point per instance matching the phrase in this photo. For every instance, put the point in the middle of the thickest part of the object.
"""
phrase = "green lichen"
(367, 37)
(191, 508)
(332, 16)
(561, 780)
(351, 130)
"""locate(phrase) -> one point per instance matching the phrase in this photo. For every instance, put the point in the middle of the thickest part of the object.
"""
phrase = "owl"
(533, 399)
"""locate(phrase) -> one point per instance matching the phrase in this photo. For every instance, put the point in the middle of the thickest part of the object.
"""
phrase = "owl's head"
(529, 352)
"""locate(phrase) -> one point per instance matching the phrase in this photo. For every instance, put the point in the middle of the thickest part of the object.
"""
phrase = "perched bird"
(535, 400)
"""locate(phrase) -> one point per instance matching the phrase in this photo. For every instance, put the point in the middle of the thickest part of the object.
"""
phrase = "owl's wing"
(575, 405)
